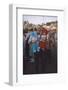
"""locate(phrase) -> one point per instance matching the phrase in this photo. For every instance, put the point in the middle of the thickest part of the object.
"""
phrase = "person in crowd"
(24, 44)
(27, 46)
(33, 44)
(27, 49)
(43, 51)
(43, 41)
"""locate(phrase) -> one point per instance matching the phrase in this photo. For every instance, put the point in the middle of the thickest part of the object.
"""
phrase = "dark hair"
(31, 29)
(35, 29)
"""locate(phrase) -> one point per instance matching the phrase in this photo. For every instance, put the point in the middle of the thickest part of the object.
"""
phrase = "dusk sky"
(39, 19)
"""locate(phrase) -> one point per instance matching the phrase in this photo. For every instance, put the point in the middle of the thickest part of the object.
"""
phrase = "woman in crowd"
(43, 50)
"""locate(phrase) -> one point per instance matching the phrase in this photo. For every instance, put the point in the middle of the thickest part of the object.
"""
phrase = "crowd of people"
(37, 40)
(37, 43)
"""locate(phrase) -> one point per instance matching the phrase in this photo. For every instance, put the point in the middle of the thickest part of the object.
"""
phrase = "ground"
(49, 64)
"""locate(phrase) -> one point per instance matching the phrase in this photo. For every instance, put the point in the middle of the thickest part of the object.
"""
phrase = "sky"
(39, 19)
